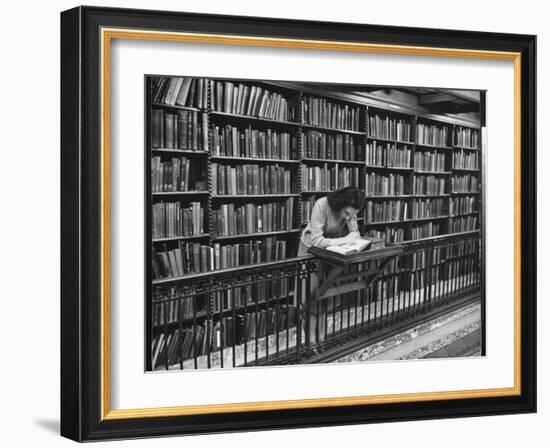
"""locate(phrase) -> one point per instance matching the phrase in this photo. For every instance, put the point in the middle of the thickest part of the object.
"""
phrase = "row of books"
(242, 99)
(384, 185)
(246, 328)
(428, 185)
(233, 141)
(186, 258)
(449, 270)
(383, 289)
(388, 155)
(193, 257)
(466, 137)
(461, 249)
(466, 160)
(168, 312)
(258, 324)
(250, 179)
(390, 235)
(252, 252)
(464, 224)
(173, 347)
(432, 134)
(321, 145)
(429, 161)
(426, 230)
(176, 304)
(253, 294)
(180, 91)
(401, 210)
(177, 174)
(464, 184)
(386, 211)
(192, 306)
(418, 281)
(462, 205)
(251, 100)
(418, 260)
(428, 208)
(412, 262)
(390, 128)
(329, 177)
(326, 113)
(185, 130)
(437, 255)
(459, 268)
(231, 219)
(173, 219)
(179, 344)
(174, 291)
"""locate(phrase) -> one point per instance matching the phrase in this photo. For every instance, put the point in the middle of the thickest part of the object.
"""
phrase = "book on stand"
(357, 246)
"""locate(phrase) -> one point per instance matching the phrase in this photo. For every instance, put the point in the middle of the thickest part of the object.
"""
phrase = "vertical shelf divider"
(300, 156)
(209, 142)
(364, 174)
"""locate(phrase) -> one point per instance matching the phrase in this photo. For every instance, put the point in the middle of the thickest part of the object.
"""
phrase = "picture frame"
(87, 34)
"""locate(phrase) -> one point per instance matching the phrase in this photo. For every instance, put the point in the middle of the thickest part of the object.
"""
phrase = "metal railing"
(267, 314)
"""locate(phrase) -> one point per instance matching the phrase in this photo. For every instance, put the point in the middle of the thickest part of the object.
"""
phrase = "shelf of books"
(236, 167)
(422, 177)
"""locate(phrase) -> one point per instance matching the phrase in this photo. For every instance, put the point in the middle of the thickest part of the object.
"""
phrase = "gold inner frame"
(107, 35)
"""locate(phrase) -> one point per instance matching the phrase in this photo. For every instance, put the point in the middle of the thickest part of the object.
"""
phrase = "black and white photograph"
(295, 223)
(275, 224)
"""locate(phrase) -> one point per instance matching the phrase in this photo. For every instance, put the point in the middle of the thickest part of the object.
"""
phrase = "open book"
(357, 246)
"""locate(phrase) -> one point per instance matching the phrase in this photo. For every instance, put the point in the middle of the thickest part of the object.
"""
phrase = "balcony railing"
(268, 314)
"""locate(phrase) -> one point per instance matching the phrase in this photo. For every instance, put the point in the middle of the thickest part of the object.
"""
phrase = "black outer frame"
(80, 223)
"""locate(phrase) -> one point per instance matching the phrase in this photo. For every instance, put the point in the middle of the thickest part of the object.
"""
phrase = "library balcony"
(283, 312)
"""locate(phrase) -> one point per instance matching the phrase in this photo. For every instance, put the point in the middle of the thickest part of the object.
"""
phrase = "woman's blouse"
(323, 226)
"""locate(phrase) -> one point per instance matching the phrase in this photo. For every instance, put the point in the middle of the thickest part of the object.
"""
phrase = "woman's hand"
(351, 237)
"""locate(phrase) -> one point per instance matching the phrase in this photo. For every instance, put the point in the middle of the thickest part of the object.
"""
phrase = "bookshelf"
(246, 141)
(254, 156)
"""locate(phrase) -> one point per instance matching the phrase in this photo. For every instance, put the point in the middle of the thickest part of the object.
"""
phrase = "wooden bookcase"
(454, 147)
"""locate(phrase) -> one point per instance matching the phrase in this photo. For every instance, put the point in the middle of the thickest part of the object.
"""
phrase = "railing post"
(307, 300)
(429, 267)
(209, 327)
(299, 308)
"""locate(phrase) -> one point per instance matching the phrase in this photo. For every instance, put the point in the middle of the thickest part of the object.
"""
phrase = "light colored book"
(350, 248)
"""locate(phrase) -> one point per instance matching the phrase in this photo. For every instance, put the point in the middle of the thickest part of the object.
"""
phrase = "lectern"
(337, 271)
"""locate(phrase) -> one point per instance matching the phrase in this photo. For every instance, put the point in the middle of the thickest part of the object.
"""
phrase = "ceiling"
(445, 101)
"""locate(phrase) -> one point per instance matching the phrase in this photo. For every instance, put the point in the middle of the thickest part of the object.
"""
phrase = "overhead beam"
(435, 98)
(468, 95)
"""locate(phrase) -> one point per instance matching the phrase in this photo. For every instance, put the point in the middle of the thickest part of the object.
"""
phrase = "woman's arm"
(353, 227)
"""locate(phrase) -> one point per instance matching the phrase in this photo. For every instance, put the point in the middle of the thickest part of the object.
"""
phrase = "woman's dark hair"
(346, 197)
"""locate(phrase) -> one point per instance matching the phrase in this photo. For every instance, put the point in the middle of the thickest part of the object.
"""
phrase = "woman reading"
(333, 222)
